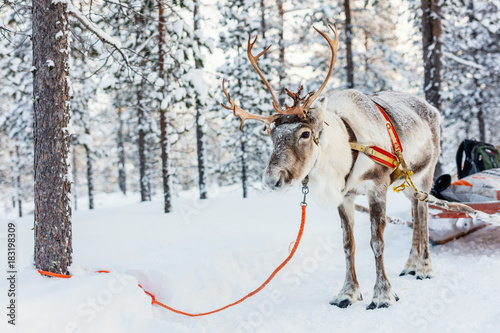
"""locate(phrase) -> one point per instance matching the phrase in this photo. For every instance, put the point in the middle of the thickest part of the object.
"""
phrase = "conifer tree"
(250, 146)
(471, 73)
(16, 105)
(53, 241)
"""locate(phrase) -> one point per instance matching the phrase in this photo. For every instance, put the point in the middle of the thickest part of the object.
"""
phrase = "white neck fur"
(333, 163)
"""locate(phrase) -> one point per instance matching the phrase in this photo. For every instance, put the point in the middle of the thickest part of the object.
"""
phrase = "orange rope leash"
(153, 298)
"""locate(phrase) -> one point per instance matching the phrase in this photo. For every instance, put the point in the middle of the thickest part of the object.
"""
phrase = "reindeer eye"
(305, 134)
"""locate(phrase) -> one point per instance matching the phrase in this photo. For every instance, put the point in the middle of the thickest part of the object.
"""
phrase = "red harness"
(397, 148)
(391, 160)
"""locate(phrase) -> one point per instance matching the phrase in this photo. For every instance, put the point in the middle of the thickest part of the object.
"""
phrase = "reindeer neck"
(333, 163)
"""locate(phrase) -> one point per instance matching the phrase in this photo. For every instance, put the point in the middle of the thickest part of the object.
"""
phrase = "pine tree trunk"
(202, 182)
(53, 244)
(348, 45)
(243, 165)
(75, 181)
(263, 26)
(243, 152)
(431, 32)
(19, 202)
(141, 117)
(90, 174)
(481, 123)
(200, 145)
(167, 205)
(282, 67)
(141, 142)
(477, 99)
(366, 54)
(18, 194)
(122, 176)
(13, 178)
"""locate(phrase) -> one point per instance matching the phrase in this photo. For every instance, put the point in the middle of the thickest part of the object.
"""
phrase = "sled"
(446, 225)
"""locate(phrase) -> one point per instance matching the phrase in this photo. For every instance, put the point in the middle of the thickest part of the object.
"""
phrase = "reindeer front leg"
(350, 293)
(383, 296)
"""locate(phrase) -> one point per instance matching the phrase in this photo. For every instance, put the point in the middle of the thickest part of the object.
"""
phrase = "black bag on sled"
(474, 156)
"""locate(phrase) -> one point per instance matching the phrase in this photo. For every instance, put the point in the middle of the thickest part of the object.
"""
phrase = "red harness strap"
(393, 134)
(381, 156)
(384, 162)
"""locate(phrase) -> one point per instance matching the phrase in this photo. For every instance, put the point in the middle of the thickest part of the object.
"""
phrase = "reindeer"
(324, 143)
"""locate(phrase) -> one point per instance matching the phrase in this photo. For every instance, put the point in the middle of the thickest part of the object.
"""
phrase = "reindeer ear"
(316, 112)
(322, 102)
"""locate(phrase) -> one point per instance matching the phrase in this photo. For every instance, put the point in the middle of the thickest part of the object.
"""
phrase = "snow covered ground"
(207, 254)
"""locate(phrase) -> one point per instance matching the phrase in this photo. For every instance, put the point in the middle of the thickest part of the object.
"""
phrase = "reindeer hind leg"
(424, 265)
(419, 262)
(411, 264)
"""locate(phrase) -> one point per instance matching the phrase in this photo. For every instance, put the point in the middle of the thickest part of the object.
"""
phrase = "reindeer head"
(296, 128)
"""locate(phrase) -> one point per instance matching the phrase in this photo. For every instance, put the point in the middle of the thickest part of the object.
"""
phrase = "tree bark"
(348, 45)
(16, 182)
(122, 176)
(52, 224)
(243, 150)
(263, 26)
(141, 142)
(19, 190)
(140, 22)
(75, 181)
(167, 205)
(243, 166)
(366, 54)
(481, 124)
(13, 178)
(19, 202)
(90, 173)
(282, 68)
(200, 144)
(431, 32)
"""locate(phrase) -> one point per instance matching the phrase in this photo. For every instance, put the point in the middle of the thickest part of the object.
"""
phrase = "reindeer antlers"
(298, 108)
(244, 115)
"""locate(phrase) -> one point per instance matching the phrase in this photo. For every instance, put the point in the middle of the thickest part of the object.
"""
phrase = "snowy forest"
(140, 111)
(116, 154)
(144, 83)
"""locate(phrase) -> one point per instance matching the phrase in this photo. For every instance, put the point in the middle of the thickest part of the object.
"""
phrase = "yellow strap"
(394, 140)
(400, 166)
(371, 152)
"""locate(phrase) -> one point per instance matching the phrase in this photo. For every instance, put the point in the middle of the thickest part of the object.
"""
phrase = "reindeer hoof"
(347, 298)
(404, 272)
(418, 266)
(383, 305)
(421, 269)
(342, 304)
(424, 275)
(382, 301)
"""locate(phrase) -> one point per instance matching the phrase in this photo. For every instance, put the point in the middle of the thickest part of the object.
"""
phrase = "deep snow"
(207, 254)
